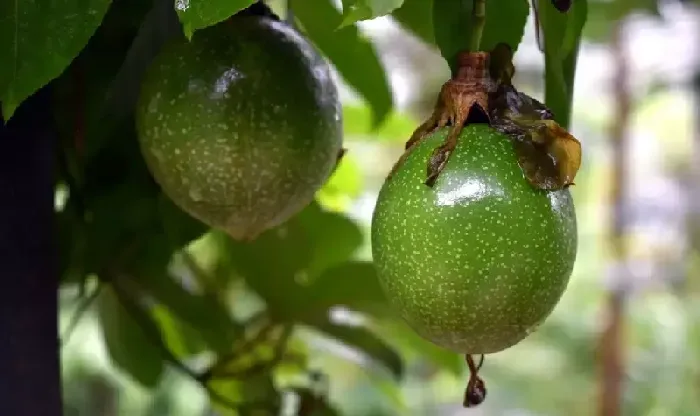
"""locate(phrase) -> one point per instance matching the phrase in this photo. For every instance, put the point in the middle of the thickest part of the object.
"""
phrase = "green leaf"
(180, 227)
(562, 37)
(82, 91)
(254, 395)
(351, 53)
(357, 10)
(182, 339)
(335, 238)
(416, 16)
(198, 14)
(281, 263)
(351, 284)
(364, 341)
(419, 347)
(38, 40)
(452, 20)
(129, 347)
(211, 319)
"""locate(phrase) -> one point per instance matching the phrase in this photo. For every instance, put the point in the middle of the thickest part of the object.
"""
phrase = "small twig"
(478, 23)
(86, 302)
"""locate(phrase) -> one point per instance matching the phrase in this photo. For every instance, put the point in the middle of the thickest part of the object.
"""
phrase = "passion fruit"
(241, 125)
(475, 263)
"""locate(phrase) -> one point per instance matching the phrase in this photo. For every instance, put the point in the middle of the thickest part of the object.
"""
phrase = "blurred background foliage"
(179, 320)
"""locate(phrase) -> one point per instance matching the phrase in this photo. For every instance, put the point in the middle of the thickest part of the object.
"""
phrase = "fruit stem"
(478, 23)
(475, 393)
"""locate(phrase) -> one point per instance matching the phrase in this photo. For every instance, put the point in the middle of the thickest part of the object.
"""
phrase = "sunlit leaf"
(452, 20)
(182, 339)
(38, 40)
(357, 10)
(198, 14)
(352, 54)
(128, 345)
(562, 37)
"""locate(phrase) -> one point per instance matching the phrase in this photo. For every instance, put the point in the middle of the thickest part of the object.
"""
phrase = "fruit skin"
(477, 262)
(242, 125)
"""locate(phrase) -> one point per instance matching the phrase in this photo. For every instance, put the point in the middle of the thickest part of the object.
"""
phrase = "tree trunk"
(29, 347)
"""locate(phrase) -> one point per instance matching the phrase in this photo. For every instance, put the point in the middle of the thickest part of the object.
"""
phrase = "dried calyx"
(481, 92)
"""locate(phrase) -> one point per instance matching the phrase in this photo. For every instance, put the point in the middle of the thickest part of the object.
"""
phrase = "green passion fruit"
(475, 263)
(241, 125)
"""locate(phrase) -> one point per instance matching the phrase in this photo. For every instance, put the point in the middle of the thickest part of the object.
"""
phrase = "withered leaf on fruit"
(547, 153)
(481, 92)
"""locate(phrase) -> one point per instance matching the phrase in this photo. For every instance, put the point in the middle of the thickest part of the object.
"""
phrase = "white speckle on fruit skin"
(240, 148)
(477, 274)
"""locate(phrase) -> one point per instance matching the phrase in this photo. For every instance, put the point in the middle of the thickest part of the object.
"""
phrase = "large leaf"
(356, 10)
(351, 284)
(38, 40)
(419, 347)
(255, 395)
(335, 238)
(128, 345)
(182, 339)
(364, 341)
(80, 93)
(198, 14)
(417, 17)
(211, 319)
(280, 264)
(351, 53)
(562, 37)
(452, 20)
